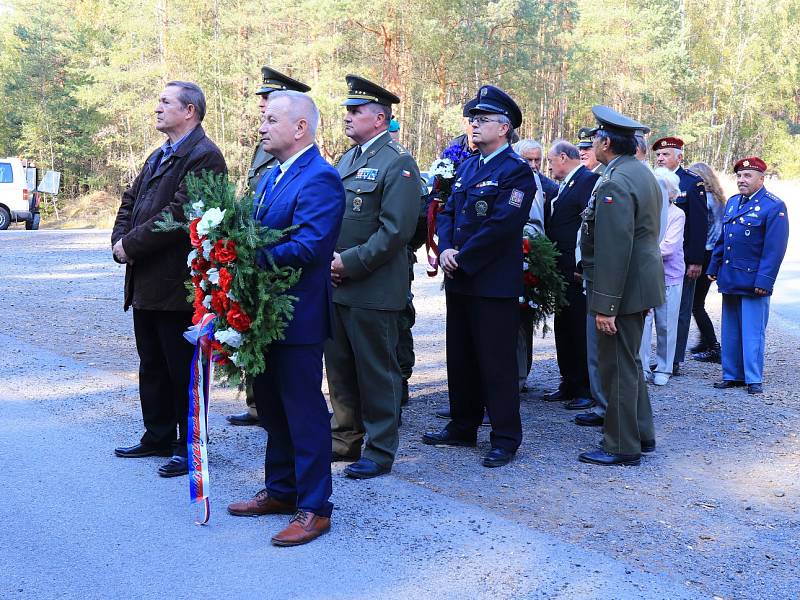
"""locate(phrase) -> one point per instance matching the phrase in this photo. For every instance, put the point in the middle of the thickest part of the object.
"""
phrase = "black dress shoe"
(676, 369)
(364, 468)
(699, 347)
(755, 388)
(244, 418)
(557, 396)
(141, 450)
(728, 383)
(444, 438)
(443, 413)
(601, 457)
(710, 354)
(579, 404)
(336, 457)
(497, 457)
(589, 419)
(177, 466)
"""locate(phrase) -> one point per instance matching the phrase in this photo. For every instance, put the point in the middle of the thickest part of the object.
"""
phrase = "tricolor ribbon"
(431, 247)
(199, 396)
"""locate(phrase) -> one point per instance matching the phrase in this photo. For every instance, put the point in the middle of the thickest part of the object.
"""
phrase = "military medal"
(481, 207)
(357, 202)
(367, 174)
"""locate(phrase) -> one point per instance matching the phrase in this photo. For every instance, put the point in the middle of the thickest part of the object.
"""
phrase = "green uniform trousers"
(629, 416)
(364, 382)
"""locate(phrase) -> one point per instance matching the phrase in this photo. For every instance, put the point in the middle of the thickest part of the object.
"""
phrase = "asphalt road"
(78, 522)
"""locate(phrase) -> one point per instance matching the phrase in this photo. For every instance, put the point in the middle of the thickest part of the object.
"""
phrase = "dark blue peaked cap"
(493, 100)
(610, 120)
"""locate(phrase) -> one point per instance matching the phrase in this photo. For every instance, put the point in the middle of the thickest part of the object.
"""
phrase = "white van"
(17, 201)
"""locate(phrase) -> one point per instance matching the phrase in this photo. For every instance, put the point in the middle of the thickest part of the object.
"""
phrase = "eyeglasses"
(482, 120)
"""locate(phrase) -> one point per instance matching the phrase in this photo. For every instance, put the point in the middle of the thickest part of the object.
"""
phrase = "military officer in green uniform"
(624, 278)
(370, 272)
(263, 161)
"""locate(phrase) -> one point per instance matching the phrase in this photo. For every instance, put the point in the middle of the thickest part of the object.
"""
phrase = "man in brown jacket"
(156, 270)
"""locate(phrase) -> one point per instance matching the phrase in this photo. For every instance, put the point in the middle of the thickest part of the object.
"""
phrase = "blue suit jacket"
(310, 197)
(750, 250)
(483, 220)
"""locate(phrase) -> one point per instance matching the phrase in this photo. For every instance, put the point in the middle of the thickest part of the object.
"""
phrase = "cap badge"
(483, 92)
(746, 163)
(663, 142)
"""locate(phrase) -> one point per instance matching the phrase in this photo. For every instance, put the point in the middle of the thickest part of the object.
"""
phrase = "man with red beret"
(745, 263)
(692, 199)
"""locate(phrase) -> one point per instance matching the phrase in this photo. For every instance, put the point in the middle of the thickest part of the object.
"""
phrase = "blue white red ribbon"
(199, 396)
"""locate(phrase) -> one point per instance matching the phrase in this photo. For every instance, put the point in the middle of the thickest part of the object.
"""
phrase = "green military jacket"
(262, 162)
(382, 200)
(619, 241)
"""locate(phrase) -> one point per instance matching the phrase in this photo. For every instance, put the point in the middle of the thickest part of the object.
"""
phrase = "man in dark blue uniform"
(692, 200)
(745, 263)
(479, 237)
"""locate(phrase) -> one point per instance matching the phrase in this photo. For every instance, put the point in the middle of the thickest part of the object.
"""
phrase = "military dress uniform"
(692, 200)
(624, 278)
(483, 220)
(748, 255)
(260, 167)
(382, 194)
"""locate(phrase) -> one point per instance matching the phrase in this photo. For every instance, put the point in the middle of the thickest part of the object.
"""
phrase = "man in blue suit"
(745, 263)
(304, 192)
(480, 232)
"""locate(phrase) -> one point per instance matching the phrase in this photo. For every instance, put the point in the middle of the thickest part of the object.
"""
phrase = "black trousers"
(704, 324)
(164, 361)
(482, 367)
(570, 333)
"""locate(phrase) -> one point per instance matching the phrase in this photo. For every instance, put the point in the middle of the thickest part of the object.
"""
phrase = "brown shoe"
(304, 527)
(261, 504)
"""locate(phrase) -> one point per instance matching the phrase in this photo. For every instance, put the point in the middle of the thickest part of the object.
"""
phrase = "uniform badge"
(481, 207)
(780, 214)
(517, 196)
(758, 208)
(571, 182)
(486, 183)
(406, 173)
(608, 200)
(367, 174)
(357, 202)
(747, 233)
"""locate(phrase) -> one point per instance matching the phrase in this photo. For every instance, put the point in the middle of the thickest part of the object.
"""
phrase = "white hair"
(526, 145)
(670, 183)
(301, 106)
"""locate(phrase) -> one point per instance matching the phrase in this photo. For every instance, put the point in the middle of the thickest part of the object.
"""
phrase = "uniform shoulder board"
(397, 147)
(517, 157)
(772, 196)
(695, 175)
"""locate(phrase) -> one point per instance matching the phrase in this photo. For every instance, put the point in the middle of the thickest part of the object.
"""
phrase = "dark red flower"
(225, 279)
(224, 251)
(530, 279)
(237, 318)
(220, 303)
(200, 264)
(196, 239)
(526, 245)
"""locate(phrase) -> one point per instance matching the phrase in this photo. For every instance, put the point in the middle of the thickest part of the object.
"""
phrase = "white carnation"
(443, 167)
(231, 297)
(235, 358)
(197, 207)
(207, 302)
(206, 249)
(210, 219)
(191, 257)
(203, 285)
(231, 337)
(213, 276)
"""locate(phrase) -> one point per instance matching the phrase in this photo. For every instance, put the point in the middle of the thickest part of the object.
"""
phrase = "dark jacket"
(483, 220)
(562, 226)
(156, 279)
(692, 199)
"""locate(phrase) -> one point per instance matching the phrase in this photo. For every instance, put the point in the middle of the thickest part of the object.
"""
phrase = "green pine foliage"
(545, 288)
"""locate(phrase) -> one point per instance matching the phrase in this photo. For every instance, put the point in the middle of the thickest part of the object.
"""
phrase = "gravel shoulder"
(714, 512)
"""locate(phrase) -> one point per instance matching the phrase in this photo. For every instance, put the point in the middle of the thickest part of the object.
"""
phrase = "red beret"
(752, 163)
(668, 142)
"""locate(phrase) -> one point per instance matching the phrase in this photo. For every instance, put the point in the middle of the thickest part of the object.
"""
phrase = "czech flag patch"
(608, 200)
(406, 173)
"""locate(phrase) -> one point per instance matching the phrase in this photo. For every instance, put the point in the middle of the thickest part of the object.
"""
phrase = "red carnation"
(237, 318)
(199, 312)
(200, 264)
(530, 279)
(224, 251)
(199, 295)
(195, 238)
(196, 279)
(526, 245)
(225, 279)
(219, 302)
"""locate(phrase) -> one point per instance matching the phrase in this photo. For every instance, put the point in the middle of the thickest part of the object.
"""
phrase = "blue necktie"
(268, 187)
